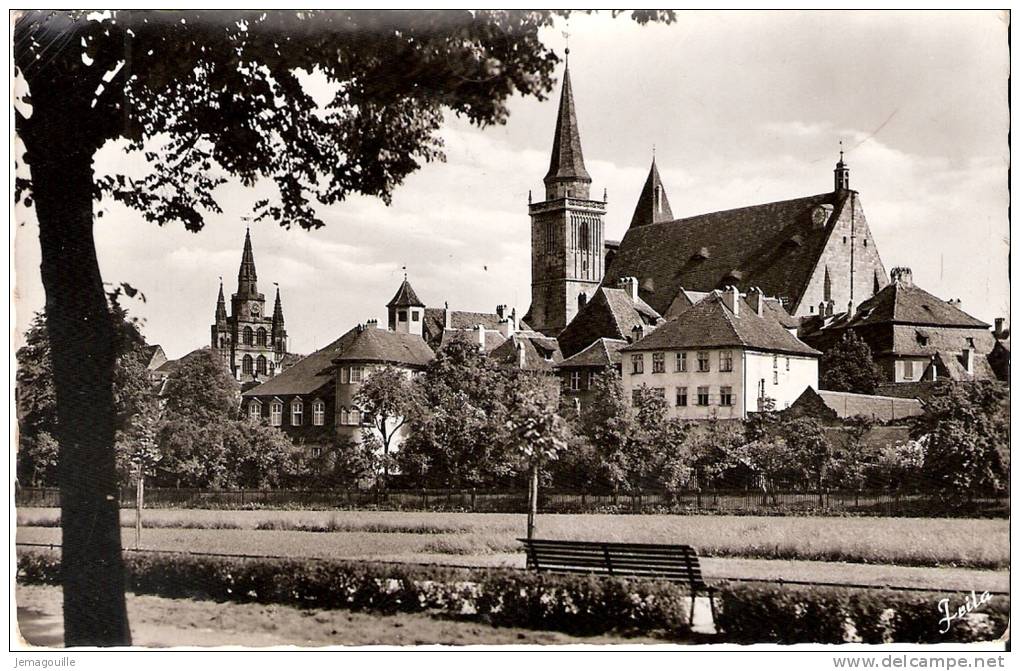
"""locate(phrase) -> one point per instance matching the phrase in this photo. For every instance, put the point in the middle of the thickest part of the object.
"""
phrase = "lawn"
(979, 543)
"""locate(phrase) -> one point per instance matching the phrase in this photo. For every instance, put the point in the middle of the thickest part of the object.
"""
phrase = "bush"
(578, 604)
(778, 614)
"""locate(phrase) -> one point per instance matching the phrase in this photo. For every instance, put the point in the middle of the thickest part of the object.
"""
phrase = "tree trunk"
(82, 341)
(533, 500)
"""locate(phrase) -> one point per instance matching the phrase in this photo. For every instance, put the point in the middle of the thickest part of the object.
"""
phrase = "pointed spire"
(405, 296)
(842, 172)
(246, 276)
(277, 311)
(221, 307)
(567, 174)
(653, 205)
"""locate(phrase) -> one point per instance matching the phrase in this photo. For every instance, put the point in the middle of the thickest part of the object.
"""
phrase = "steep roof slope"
(904, 303)
(652, 205)
(376, 345)
(611, 313)
(307, 375)
(602, 353)
(774, 246)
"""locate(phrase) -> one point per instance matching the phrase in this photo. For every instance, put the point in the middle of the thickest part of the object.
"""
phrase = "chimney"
(731, 299)
(520, 354)
(372, 324)
(968, 360)
(903, 275)
(1000, 323)
(630, 284)
(506, 327)
(500, 311)
(757, 300)
(481, 338)
(446, 315)
(830, 308)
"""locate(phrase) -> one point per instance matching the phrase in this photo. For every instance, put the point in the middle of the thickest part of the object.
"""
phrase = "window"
(865, 242)
(355, 417)
(659, 391)
(787, 363)
(681, 362)
(634, 397)
(583, 237)
(681, 397)
(703, 364)
(356, 374)
(276, 413)
(591, 379)
(726, 361)
(344, 418)
(844, 239)
(246, 364)
(702, 395)
(297, 412)
(775, 362)
(316, 452)
(550, 237)
(658, 362)
(908, 370)
(260, 337)
(922, 339)
(725, 395)
(401, 315)
(575, 380)
(345, 375)
(970, 343)
(415, 315)
(272, 368)
(254, 412)
(247, 335)
(775, 377)
(637, 362)
(260, 365)
(318, 413)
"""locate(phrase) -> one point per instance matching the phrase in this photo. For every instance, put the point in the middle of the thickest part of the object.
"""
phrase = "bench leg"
(694, 597)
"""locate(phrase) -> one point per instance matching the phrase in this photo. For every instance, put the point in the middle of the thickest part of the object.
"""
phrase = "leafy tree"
(389, 399)
(811, 450)
(608, 423)
(965, 433)
(258, 456)
(37, 459)
(346, 463)
(848, 366)
(460, 439)
(855, 457)
(198, 91)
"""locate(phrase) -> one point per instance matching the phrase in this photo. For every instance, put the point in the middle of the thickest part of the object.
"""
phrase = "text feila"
(970, 603)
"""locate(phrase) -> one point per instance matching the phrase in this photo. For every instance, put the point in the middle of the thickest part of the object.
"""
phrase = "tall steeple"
(652, 205)
(567, 175)
(842, 173)
(221, 307)
(279, 330)
(246, 276)
(278, 311)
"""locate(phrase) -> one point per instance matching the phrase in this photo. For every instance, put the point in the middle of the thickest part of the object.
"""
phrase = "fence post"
(472, 499)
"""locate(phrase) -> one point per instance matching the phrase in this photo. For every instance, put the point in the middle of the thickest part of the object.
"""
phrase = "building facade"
(253, 344)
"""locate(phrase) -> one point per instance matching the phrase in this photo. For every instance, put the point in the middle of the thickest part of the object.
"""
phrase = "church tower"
(567, 229)
(252, 344)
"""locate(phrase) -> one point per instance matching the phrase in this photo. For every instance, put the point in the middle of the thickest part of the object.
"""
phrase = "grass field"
(980, 543)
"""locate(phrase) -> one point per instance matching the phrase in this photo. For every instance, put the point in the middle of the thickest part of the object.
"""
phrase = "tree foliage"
(388, 400)
(848, 366)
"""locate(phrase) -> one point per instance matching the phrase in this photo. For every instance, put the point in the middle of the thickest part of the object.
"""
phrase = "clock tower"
(251, 343)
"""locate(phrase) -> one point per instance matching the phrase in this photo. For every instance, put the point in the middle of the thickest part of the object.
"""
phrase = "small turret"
(405, 310)
(221, 308)
(279, 332)
(842, 173)
(653, 205)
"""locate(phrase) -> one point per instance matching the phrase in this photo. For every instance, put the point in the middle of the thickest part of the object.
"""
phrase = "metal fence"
(552, 501)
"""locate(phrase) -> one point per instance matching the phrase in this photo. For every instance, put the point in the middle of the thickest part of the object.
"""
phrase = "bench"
(673, 563)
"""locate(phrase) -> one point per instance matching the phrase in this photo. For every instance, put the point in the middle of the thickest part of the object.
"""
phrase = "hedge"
(578, 604)
(785, 614)
(571, 603)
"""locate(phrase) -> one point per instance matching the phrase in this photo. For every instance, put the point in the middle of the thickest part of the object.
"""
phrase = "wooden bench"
(673, 563)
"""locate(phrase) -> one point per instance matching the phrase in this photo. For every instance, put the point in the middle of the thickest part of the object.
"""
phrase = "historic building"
(722, 358)
(580, 372)
(252, 343)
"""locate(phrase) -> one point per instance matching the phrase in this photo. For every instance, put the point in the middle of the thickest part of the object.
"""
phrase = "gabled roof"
(610, 313)
(541, 352)
(376, 345)
(567, 161)
(650, 210)
(405, 297)
(313, 373)
(775, 246)
(951, 364)
(710, 324)
(684, 299)
(602, 353)
(905, 303)
(493, 338)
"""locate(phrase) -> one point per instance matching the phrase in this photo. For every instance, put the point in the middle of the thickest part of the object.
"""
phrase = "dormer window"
(922, 339)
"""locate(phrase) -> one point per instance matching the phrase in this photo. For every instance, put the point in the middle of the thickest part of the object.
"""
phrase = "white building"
(721, 358)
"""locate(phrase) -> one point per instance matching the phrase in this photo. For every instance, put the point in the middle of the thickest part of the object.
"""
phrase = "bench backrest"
(675, 563)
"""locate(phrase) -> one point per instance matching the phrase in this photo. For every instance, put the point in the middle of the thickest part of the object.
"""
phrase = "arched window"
(297, 412)
(318, 413)
(260, 337)
(272, 368)
(276, 413)
(254, 412)
(583, 237)
(246, 364)
(247, 336)
(260, 365)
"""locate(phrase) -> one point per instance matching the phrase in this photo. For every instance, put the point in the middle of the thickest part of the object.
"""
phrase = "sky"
(741, 108)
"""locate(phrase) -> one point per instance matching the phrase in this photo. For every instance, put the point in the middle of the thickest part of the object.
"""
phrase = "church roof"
(567, 161)
(774, 246)
(376, 345)
(906, 303)
(711, 324)
(306, 376)
(610, 313)
(405, 297)
(648, 211)
(602, 353)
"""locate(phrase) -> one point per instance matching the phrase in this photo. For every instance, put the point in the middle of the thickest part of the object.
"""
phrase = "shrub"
(778, 614)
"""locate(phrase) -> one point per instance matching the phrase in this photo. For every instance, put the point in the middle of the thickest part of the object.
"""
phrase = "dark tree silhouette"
(848, 366)
(204, 94)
